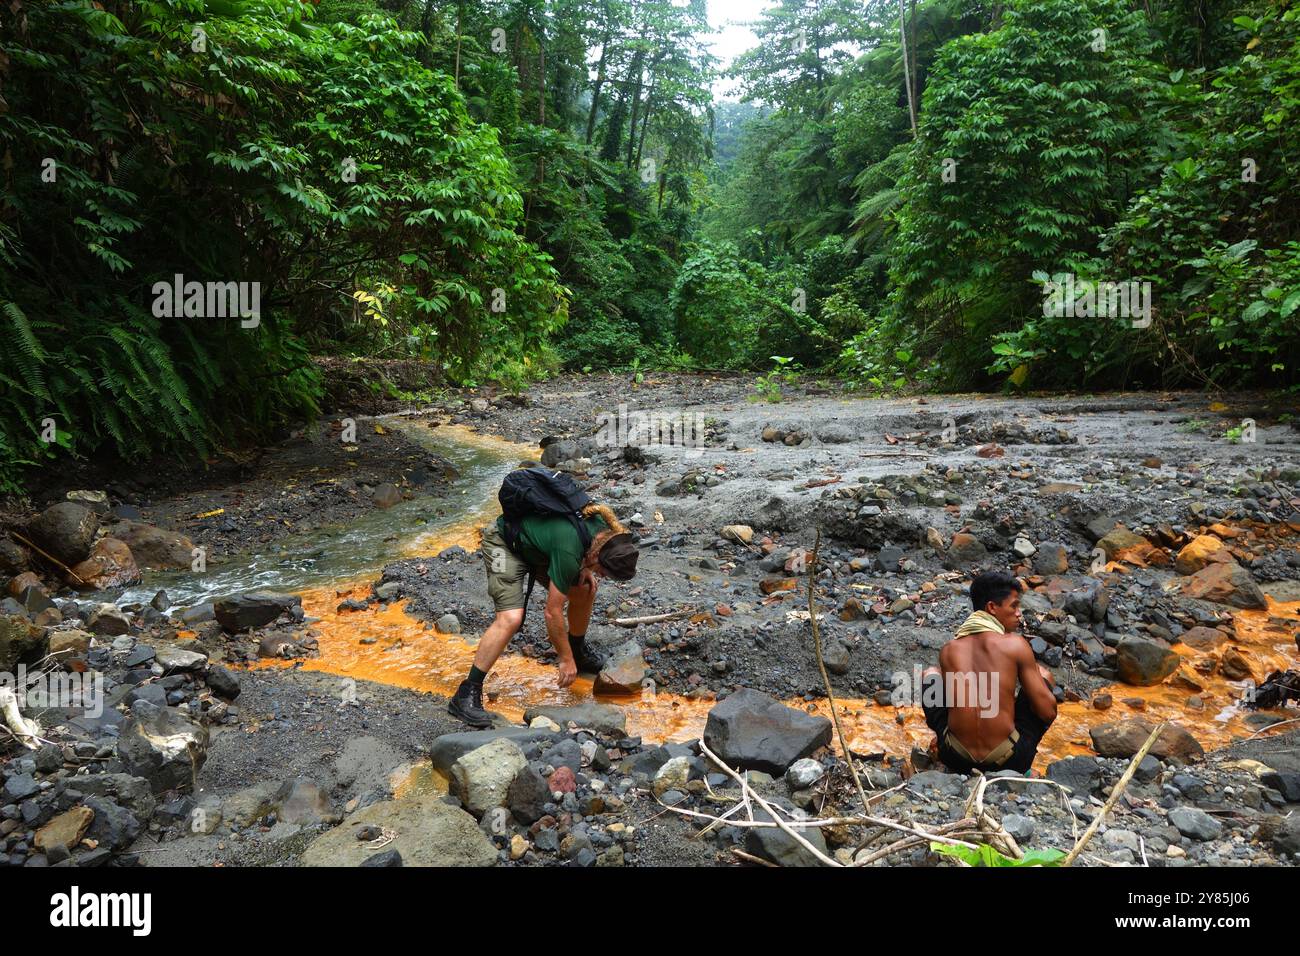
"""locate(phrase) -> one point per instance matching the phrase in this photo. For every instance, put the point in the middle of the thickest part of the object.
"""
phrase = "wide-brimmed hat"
(618, 556)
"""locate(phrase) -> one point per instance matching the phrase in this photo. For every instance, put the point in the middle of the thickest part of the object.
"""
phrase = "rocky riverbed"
(1157, 533)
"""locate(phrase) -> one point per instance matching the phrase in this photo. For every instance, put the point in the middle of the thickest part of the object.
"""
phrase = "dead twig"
(1280, 723)
(652, 618)
(821, 666)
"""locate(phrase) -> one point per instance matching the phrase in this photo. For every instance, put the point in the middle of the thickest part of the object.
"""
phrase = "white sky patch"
(727, 17)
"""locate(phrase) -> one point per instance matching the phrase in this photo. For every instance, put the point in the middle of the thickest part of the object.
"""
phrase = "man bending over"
(550, 549)
(1001, 732)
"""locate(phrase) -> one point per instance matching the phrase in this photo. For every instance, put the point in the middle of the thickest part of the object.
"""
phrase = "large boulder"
(110, 565)
(1124, 738)
(65, 530)
(1144, 661)
(481, 778)
(753, 731)
(21, 641)
(624, 672)
(163, 746)
(1225, 583)
(155, 547)
(1120, 543)
(243, 612)
(426, 832)
(964, 551)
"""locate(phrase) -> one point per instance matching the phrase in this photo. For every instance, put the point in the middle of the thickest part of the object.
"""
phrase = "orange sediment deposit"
(386, 645)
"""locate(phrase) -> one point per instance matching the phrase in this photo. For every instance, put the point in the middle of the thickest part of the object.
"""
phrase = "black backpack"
(540, 491)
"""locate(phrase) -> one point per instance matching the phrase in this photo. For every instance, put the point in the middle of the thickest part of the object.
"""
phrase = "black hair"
(992, 586)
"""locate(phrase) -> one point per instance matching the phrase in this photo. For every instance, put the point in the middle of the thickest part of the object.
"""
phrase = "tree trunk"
(907, 70)
(595, 90)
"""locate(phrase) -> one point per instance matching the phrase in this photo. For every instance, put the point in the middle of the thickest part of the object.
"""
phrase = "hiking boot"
(467, 705)
(588, 659)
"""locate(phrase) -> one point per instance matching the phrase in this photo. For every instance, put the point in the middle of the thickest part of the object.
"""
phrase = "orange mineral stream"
(406, 653)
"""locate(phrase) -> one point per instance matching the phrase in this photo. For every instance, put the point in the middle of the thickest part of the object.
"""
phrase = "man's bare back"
(1000, 662)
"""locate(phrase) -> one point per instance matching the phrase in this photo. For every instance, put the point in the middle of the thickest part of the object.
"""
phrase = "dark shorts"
(1029, 725)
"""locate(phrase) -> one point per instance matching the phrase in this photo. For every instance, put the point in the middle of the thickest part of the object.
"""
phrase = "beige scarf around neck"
(980, 622)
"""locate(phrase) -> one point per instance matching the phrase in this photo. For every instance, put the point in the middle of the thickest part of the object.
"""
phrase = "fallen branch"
(652, 618)
(1280, 723)
(821, 666)
(1114, 794)
(27, 731)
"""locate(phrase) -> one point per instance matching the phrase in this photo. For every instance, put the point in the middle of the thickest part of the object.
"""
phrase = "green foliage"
(169, 160)
(786, 372)
(985, 855)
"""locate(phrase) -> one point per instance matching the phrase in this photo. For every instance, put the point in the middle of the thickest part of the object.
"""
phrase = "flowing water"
(326, 567)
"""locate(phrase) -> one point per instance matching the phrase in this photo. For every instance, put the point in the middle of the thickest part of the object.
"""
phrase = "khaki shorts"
(507, 574)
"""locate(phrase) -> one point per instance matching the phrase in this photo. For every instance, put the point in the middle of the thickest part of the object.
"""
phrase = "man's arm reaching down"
(557, 629)
(1033, 684)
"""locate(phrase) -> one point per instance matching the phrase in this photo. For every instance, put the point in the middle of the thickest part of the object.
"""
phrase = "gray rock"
(175, 659)
(1286, 839)
(835, 655)
(777, 846)
(528, 795)
(752, 731)
(804, 773)
(671, 776)
(1195, 823)
(1021, 828)
(242, 612)
(1287, 784)
(1081, 775)
(223, 681)
(19, 787)
(114, 826)
(163, 746)
(448, 624)
(1144, 661)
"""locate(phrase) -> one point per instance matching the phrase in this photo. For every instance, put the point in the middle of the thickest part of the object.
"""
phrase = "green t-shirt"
(550, 546)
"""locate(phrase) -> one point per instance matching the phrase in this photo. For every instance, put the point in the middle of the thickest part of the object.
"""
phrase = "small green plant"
(786, 372)
(985, 855)
(1233, 434)
(1193, 426)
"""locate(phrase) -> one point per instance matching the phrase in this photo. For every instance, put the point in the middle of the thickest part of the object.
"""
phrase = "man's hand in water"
(568, 671)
